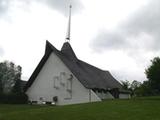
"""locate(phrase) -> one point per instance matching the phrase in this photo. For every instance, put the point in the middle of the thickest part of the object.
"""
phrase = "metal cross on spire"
(69, 25)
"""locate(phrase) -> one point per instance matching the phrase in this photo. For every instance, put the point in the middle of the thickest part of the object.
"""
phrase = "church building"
(61, 78)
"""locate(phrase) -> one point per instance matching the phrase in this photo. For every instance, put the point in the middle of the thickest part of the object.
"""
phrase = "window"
(56, 82)
(68, 90)
(62, 78)
(34, 102)
(69, 85)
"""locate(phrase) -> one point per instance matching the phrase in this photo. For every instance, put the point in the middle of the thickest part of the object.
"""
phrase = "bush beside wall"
(13, 98)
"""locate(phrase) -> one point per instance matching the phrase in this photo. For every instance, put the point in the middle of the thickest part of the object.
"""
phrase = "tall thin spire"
(69, 25)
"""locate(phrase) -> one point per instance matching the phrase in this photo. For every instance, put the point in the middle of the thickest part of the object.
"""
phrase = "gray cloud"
(4, 5)
(109, 40)
(60, 5)
(140, 31)
(1, 51)
(63, 5)
(145, 19)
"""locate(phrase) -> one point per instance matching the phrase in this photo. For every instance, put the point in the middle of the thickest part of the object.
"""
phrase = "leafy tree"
(125, 85)
(135, 84)
(1, 89)
(17, 87)
(133, 87)
(9, 74)
(144, 89)
(153, 75)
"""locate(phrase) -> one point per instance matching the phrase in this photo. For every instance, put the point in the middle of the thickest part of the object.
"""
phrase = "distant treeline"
(151, 86)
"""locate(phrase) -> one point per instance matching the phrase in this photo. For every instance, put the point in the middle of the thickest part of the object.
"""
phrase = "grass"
(133, 109)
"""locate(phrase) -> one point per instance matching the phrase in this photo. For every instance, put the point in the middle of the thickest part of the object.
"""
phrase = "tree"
(153, 75)
(144, 89)
(125, 85)
(1, 89)
(134, 87)
(17, 87)
(135, 84)
(9, 74)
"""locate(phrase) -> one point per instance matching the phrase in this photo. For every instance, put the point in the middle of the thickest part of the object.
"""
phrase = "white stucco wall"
(43, 86)
(94, 97)
(108, 95)
(104, 95)
(124, 96)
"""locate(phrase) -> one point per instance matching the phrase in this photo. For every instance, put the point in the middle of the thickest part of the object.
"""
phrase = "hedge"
(13, 98)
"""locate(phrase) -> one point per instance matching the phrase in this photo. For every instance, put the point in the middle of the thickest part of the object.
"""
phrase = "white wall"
(94, 97)
(43, 86)
(104, 95)
(124, 96)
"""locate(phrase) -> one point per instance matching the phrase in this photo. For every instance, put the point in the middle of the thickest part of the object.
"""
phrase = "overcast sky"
(121, 36)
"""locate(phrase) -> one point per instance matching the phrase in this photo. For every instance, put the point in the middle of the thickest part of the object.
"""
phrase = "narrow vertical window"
(69, 85)
(62, 78)
(56, 82)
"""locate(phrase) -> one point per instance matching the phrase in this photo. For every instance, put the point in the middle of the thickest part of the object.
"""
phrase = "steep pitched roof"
(90, 76)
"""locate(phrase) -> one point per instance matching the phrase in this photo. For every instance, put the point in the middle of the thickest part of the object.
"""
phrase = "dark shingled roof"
(91, 77)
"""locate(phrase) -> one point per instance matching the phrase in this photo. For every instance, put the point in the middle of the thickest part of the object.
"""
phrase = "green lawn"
(134, 109)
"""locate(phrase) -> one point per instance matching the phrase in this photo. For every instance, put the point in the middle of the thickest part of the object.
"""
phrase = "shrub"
(13, 98)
